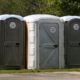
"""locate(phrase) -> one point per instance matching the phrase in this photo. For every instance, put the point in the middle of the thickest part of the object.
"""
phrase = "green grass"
(40, 70)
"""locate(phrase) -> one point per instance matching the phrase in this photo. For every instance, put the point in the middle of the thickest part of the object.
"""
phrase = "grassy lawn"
(40, 70)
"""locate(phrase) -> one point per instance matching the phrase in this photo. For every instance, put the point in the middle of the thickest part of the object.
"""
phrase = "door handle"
(55, 45)
(17, 44)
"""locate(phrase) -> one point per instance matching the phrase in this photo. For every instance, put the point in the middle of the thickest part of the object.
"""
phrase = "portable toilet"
(72, 40)
(45, 41)
(12, 42)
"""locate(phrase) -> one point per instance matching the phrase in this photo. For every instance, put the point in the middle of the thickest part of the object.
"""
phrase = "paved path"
(42, 76)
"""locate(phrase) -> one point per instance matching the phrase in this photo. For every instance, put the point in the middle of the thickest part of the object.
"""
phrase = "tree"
(12, 7)
(70, 7)
(27, 7)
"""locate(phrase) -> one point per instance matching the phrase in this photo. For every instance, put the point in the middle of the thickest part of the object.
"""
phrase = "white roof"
(68, 18)
(36, 17)
(6, 16)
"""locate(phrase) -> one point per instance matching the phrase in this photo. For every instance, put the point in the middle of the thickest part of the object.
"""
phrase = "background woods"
(27, 7)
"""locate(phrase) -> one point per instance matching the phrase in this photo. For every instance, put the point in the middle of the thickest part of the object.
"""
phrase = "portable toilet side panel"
(14, 38)
(1, 44)
(72, 42)
(31, 56)
(45, 42)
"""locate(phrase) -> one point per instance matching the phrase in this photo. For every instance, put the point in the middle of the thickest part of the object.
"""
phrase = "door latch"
(55, 45)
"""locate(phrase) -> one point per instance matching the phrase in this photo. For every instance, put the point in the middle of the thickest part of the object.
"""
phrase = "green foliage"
(12, 6)
(70, 7)
(27, 7)
(40, 70)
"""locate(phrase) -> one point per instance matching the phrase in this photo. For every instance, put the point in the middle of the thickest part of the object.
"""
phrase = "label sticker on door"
(12, 25)
(52, 29)
(76, 26)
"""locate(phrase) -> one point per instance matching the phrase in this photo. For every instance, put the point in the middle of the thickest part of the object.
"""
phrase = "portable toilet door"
(45, 46)
(14, 41)
(48, 44)
(72, 41)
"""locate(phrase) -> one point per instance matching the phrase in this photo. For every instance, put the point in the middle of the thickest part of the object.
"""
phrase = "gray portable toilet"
(72, 40)
(12, 42)
(45, 41)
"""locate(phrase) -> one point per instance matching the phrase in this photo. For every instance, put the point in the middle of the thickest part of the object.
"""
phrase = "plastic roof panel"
(36, 17)
(6, 16)
(68, 18)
